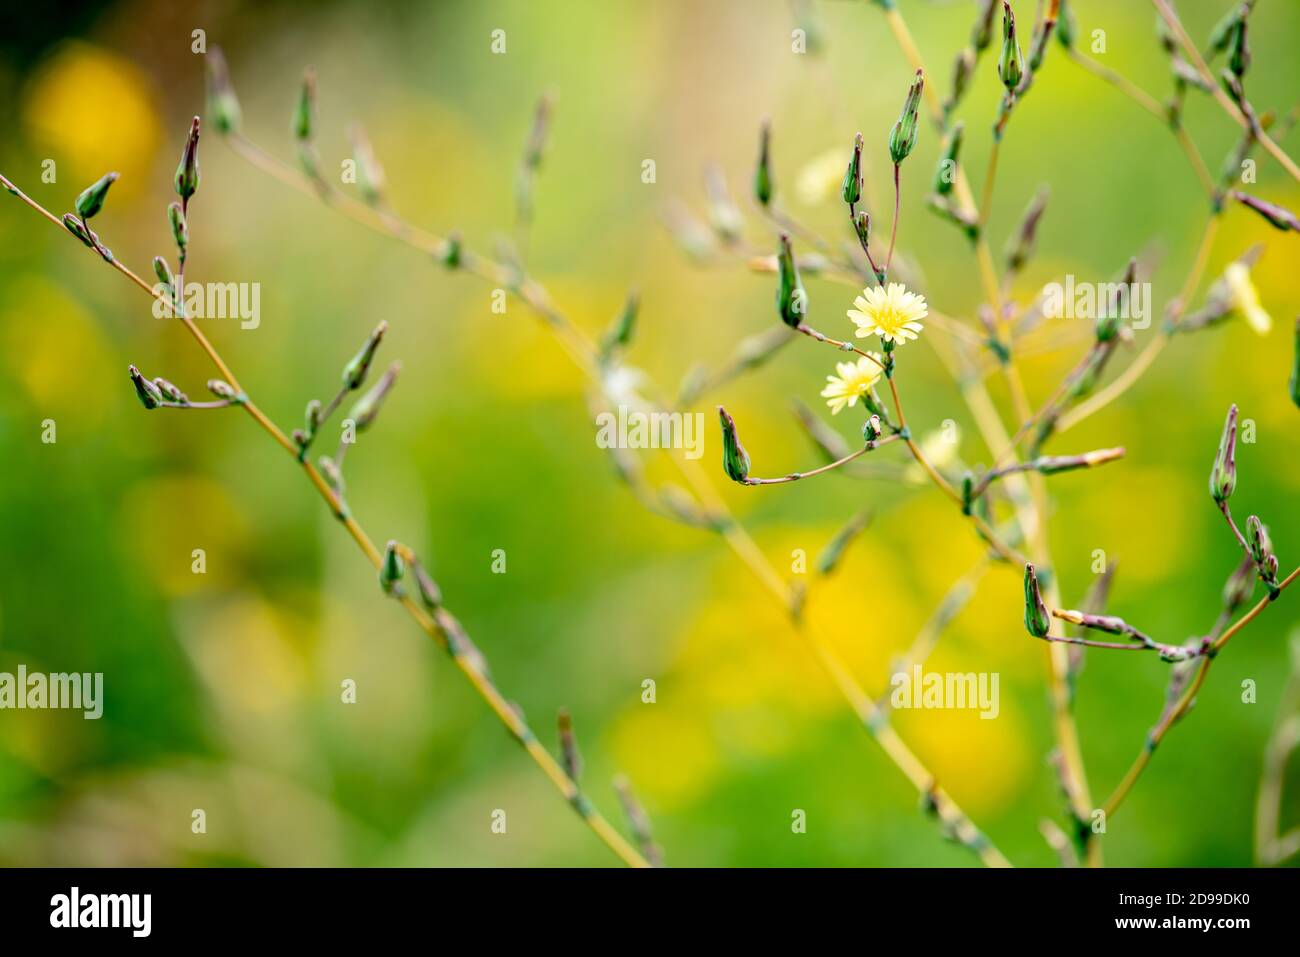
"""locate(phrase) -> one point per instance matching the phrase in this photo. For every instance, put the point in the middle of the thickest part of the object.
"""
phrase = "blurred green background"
(223, 689)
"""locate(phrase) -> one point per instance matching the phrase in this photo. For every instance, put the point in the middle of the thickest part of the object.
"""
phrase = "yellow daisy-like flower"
(893, 314)
(1245, 299)
(854, 379)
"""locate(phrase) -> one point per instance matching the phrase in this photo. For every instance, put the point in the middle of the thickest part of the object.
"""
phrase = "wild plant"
(401, 575)
(1004, 501)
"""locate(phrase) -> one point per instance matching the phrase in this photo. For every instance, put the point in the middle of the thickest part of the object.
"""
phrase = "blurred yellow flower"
(94, 109)
(894, 314)
(854, 379)
(940, 447)
(1245, 298)
(821, 178)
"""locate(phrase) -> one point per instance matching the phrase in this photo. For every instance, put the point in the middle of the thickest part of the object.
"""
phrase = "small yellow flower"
(854, 379)
(1245, 299)
(893, 314)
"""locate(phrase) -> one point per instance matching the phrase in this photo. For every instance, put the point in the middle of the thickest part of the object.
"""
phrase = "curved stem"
(1158, 733)
(431, 626)
(584, 357)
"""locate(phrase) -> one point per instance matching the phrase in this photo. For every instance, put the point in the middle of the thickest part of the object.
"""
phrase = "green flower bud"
(735, 460)
(187, 172)
(170, 392)
(967, 491)
(569, 746)
(368, 406)
(619, 335)
(946, 173)
(223, 390)
(902, 138)
(871, 429)
(180, 230)
(862, 226)
(851, 191)
(962, 69)
(982, 33)
(1028, 233)
(1278, 216)
(305, 114)
(1037, 622)
(1257, 539)
(723, 215)
(1223, 476)
(91, 200)
(1239, 586)
(73, 225)
(835, 548)
(370, 175)
(1067, 27)
(150, 395)
(763, 187)
(333, 475)
(311, 415)
(430, 593)
(163, 271)
(354, 373)
(1238, 51)
(449, 252)
(791, 299)
(223, 106)
(1011, 63)
(391, 568)
(1295, 368)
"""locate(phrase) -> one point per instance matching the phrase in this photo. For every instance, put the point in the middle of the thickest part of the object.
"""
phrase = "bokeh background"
(223, 689)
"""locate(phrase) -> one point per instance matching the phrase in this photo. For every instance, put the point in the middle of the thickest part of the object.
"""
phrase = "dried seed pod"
(91, 200)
